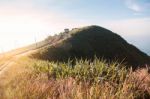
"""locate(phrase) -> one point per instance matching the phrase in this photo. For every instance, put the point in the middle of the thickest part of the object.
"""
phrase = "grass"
(84, 80)
(16, 67)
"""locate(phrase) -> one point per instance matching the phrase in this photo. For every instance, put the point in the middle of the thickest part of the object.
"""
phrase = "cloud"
(138, 5)
(133, 5)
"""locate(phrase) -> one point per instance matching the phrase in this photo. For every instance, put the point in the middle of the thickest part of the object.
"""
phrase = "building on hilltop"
(66, 30)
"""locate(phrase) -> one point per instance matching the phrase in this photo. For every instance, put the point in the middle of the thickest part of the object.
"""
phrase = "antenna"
(35, 41)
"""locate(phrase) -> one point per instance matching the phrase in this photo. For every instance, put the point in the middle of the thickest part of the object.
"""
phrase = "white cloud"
(138, 6)
(133, 5)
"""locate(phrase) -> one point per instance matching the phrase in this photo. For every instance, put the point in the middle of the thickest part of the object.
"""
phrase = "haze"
(23, 22)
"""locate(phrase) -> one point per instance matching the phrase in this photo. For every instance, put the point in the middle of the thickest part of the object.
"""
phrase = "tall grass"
(84, 80)
(83, 70)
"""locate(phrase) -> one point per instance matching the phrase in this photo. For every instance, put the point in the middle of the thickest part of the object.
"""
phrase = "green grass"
(84, 80)
(84, 70)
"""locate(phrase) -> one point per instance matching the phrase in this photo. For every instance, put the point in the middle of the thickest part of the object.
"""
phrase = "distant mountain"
(91, 41)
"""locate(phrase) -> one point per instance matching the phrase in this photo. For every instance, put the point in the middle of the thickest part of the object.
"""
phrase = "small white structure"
(66, 33)
(66, 30)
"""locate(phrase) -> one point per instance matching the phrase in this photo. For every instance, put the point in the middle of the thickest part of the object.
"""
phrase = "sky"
(24, 21)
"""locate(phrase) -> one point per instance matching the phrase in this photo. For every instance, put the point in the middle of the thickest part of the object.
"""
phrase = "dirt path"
(5, 66)
(8, 63)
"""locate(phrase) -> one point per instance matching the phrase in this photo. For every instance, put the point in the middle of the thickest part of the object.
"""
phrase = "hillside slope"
(90, 41)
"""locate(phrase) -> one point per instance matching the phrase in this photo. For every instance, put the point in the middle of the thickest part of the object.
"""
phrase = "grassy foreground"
(85, 80)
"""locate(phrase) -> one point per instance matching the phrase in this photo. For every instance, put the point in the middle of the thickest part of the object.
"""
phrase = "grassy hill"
(91, 41)
(87, 78)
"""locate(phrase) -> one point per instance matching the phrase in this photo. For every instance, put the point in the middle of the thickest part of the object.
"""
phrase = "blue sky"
(104, 9)
(22, 21)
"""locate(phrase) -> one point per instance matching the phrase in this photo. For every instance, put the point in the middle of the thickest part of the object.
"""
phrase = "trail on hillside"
(12, 60)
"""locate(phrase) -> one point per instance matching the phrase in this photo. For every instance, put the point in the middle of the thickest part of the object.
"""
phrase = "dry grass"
(17, 66)
(37, 88)
(34, 84)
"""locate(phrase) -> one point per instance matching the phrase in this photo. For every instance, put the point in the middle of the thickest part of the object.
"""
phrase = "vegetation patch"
(84, 80)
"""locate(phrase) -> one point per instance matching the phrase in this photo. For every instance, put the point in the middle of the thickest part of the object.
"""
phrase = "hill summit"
(91, 41)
